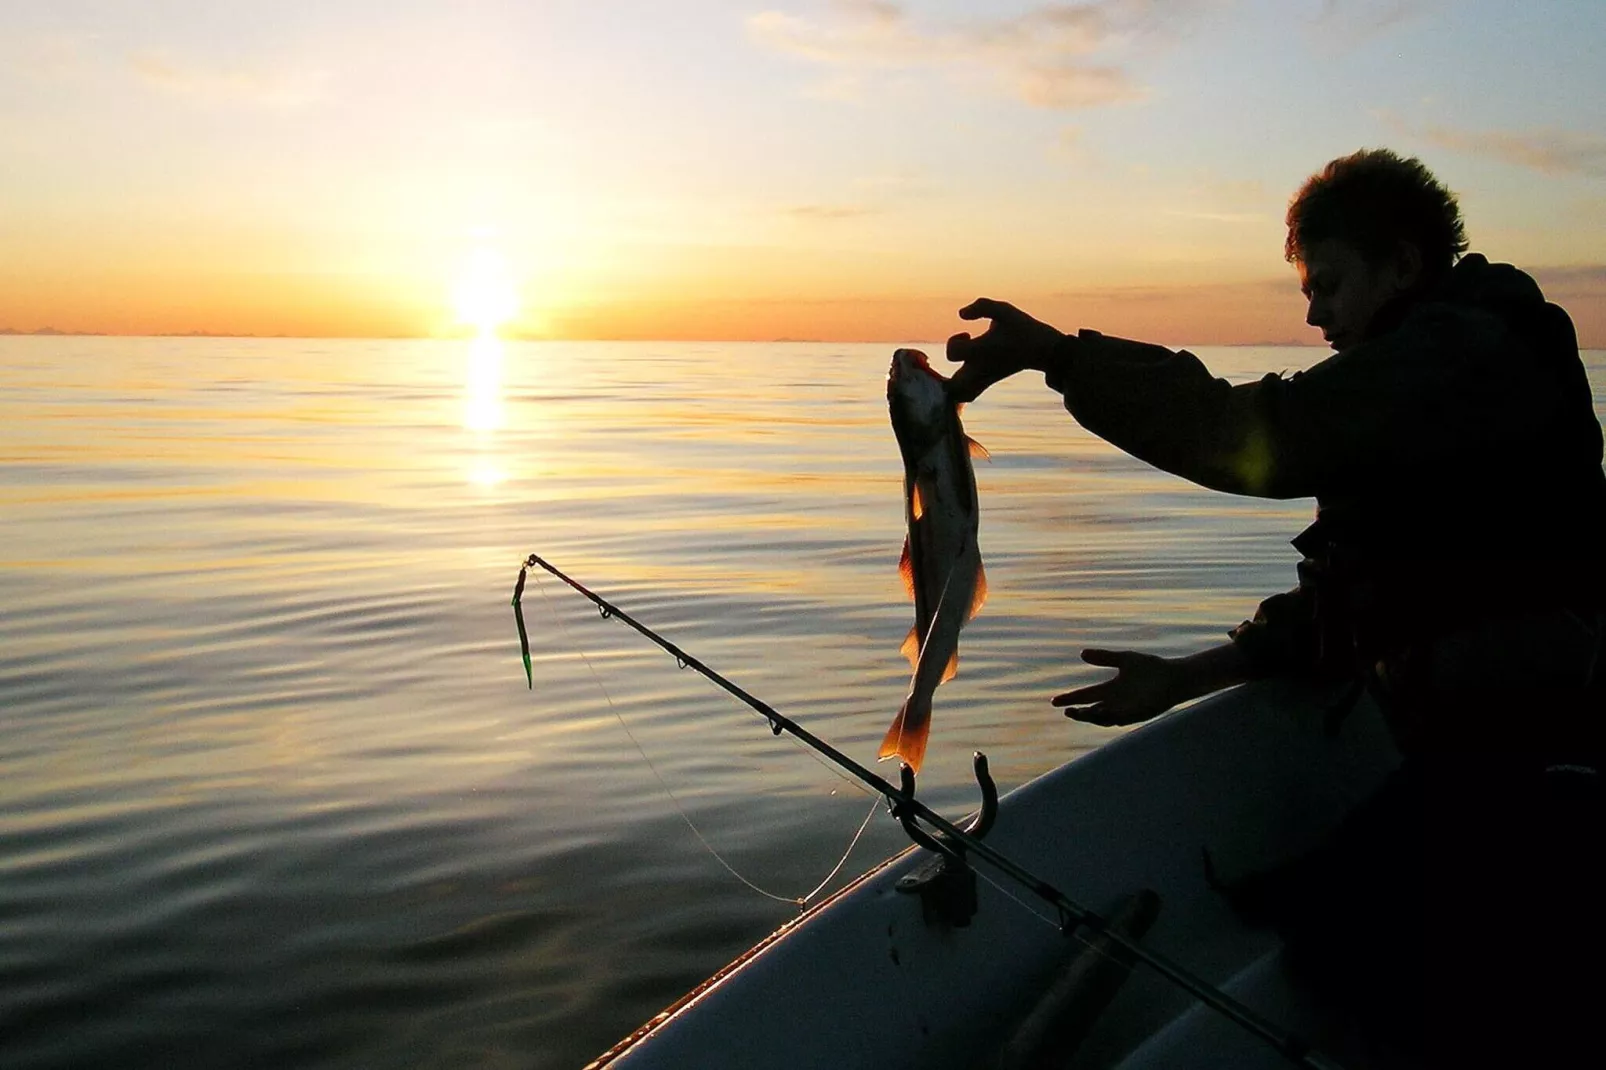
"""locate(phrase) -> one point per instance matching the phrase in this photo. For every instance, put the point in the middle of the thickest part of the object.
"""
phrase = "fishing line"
(803, 748)
(1073, 933)
(679, 807)
(1289, 1045)
(875, 804)
(1023, 904)
(925, 640)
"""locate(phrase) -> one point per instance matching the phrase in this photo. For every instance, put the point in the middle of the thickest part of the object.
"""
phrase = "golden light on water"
(485, 474)
(482, 394)
(482, 408)
(484, 298)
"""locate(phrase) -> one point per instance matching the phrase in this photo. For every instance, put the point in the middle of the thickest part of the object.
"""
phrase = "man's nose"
(1317, 314)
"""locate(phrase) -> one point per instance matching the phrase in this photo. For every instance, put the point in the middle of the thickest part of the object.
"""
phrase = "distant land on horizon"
(55, 332)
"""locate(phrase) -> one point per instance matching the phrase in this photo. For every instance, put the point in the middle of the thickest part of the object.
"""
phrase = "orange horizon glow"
(841, 172)
(1246, 313)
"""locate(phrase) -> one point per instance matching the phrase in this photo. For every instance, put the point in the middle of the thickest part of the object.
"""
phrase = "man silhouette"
(1456, 568)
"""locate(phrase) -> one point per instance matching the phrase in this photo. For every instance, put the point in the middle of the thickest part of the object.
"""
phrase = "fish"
(941, 563)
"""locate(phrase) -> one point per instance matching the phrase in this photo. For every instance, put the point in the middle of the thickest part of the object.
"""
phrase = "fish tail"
(906, 739)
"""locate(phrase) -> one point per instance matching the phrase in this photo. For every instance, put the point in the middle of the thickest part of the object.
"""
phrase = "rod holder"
(945, 883)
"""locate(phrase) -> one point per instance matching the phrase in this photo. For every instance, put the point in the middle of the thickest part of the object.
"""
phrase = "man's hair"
(1373, 199)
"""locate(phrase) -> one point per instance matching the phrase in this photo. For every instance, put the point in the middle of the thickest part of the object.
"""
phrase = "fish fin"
(977, 449)
(979, 598)
(910, 730)
(950, 670)
(911, 646)
(917, 506)
(906, 569)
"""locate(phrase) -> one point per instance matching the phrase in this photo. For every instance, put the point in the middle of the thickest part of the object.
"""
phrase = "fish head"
(917, 395)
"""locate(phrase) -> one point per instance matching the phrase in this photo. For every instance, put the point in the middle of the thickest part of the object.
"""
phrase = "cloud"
(1057, 56)
(1243, 192)
(46, 57)
(1359, 20)
(867, 195)
(1556, 152)
(901, 182)
(865, 34)
(1067, 85)
(844, 87)
(1574, 277)
(1222, 217)
(269, 89)
(1233, 201)
(1548, 150)
(1581, 290)
(830, 211)
(1265, 311)
(1255, 289)
(1070, 145)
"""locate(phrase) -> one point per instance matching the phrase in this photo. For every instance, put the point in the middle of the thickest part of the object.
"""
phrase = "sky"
(848, 170)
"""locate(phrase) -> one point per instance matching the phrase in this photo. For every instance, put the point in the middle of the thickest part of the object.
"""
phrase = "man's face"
(1345, 291)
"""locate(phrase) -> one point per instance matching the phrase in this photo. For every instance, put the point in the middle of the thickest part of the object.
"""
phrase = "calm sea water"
(273, 790)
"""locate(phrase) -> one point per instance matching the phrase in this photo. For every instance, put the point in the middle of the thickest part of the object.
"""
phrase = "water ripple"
(273, 788)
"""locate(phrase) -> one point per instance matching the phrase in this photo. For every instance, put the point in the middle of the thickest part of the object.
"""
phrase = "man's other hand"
(1144, 686)
(1013, 342)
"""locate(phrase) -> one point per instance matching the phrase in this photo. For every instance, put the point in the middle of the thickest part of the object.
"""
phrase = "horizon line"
(52, 332)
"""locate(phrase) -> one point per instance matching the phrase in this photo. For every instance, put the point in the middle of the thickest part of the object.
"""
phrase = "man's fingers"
(1111, 659)
(1096, 715)
(1082, 696)
(985, 308)
(959, 346)
(993, 356)
(967, 384)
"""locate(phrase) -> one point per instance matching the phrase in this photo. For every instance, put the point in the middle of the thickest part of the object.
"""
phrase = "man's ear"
(1408, 264)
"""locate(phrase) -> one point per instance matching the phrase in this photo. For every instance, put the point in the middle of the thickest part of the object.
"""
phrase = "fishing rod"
(905, 806)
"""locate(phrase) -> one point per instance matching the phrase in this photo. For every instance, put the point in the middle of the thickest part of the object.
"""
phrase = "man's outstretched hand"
(1144, 686)
(1013, 342)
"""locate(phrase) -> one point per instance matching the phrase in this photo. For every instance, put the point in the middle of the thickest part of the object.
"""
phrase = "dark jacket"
(1454, 456)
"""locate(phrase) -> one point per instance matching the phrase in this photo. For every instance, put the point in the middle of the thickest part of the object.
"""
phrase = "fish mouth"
(905, 361)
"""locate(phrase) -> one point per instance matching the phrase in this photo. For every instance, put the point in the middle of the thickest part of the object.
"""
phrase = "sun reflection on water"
(485, 298)
(482, 409)
(482, 395)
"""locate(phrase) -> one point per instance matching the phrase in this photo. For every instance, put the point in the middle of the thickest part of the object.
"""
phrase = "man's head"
(1365, 230)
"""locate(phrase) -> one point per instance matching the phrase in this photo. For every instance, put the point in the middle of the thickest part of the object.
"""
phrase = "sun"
(484, 296)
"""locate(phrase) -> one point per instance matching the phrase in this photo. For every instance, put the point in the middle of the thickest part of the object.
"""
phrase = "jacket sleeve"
(1166, 408)
(1397, 403)
(1283, 637)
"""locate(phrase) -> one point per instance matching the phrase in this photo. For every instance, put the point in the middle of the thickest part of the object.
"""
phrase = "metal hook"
(946, 884)
(906, 818)
(979, 825)
(989, 797)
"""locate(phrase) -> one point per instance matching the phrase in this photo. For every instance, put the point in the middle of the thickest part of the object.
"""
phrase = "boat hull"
(1253, 775)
